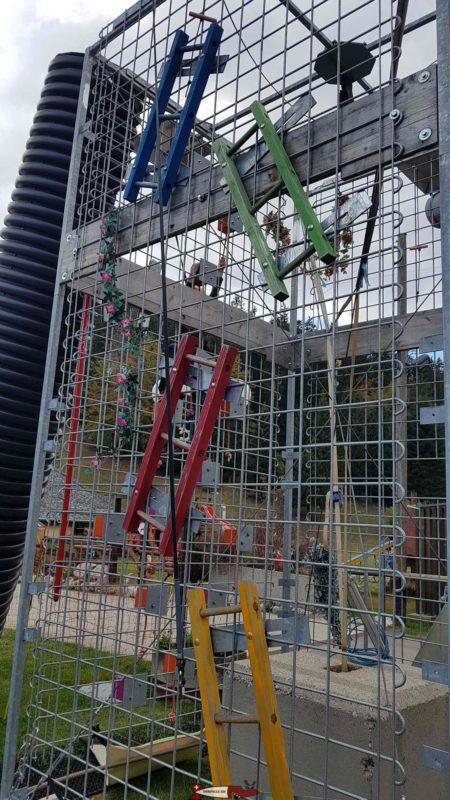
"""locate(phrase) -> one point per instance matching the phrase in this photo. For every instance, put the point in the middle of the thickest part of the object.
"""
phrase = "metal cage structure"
(252, 393)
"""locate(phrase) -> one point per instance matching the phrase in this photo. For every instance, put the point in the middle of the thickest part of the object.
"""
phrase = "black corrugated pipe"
(29, 246)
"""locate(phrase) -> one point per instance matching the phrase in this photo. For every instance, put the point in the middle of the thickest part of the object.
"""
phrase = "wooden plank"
(209, 691)
(266, 700)
(195, 310)
(365, 137)
(142, 287)
(376, 335)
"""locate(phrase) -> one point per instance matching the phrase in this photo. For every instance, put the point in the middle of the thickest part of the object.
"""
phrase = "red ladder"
(197, 449)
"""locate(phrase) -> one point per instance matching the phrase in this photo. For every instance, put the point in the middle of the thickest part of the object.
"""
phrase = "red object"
(140, 598)
(169, 662)
(197, 15)
(74, 420)
(197, 453)
(98, 526)
(222, 224)
(229, 532)
(156, 444)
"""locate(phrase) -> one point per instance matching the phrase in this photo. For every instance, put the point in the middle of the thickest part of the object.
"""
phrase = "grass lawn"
(53, 728)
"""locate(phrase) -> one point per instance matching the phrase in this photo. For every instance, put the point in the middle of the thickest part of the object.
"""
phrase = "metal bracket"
(210, 474)
(292, 631)
(128, 484)
(157, 600)
(431, 344)
(434, 672)
(132, 693)
(114, 532)
(31, 634)
(35, 588)
(218, 65)
(50, 446)
(217, 595)
(245, 538)
(158, 507)
(439, 760)
(208, 273)
(432, 415)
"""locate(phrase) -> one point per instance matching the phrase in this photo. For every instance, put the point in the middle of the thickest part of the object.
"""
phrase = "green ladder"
(319, 241)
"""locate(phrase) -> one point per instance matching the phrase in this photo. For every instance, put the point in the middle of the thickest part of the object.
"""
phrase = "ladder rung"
(273, 190)
(189, 48)
(243, 139)
(180, 443)
(220, 610)
(151, 520)
(236, 719)
(199, 360)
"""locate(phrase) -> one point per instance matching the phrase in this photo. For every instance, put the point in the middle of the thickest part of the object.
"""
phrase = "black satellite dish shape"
(355, 63)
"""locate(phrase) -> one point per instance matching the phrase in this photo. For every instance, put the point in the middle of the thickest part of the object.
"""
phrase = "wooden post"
(332, 509)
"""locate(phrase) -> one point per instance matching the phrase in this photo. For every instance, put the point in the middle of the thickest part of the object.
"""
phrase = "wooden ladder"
(196, 449)
(215, 719)
(289, 181)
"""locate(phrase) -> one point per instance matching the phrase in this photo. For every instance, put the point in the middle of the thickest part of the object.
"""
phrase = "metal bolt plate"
(425, 134)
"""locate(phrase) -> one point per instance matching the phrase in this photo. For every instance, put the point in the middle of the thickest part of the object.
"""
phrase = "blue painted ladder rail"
(204, 65)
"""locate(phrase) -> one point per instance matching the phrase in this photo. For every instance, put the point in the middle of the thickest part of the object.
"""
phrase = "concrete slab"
(359, 723)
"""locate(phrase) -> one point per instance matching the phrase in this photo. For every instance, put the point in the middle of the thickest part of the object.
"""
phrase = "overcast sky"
(33, 31)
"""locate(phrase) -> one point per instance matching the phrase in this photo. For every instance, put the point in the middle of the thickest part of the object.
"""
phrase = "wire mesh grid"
(322, 481)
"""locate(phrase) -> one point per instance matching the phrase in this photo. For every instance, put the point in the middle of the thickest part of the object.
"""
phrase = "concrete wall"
(361, 745)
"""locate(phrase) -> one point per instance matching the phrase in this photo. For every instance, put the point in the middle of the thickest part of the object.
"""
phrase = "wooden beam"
(376, 335)
(142, 288)
(365, 141)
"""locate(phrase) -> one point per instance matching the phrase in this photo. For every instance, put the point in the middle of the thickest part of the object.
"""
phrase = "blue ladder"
(204, 65)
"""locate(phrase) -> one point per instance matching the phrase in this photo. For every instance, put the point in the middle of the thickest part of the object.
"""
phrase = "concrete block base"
(359, 723)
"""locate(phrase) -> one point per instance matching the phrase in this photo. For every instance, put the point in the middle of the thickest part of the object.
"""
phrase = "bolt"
(69, 236)
(223, 165)
(250, 635)
(196, 642)
(425, 134)
(201, 197)
(311, 227)
(256, 606)
(64, 276)
(395, 115)
(274, 718)
(74, 251)
(424, 76)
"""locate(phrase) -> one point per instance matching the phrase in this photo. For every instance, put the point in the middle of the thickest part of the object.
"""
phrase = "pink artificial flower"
(127, 333)
(121, 401)
(105, 277)
(122, 423)
(110, 308)
(94, 463)
(101, 257)
(126, 322)
(103, 228)
(120, 378)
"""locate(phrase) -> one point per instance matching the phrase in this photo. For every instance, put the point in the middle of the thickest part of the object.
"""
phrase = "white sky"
(33, 32)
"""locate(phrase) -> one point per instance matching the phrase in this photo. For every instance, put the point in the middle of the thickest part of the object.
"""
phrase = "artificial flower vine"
(132, 330)
(274, 226)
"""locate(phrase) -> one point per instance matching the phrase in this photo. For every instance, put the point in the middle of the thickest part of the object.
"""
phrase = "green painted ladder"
(320, 243)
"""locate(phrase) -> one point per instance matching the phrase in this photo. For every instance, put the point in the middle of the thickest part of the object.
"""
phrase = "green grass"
(61, 664)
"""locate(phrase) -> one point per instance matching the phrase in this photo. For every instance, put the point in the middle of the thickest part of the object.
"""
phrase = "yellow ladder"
(268, 716)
